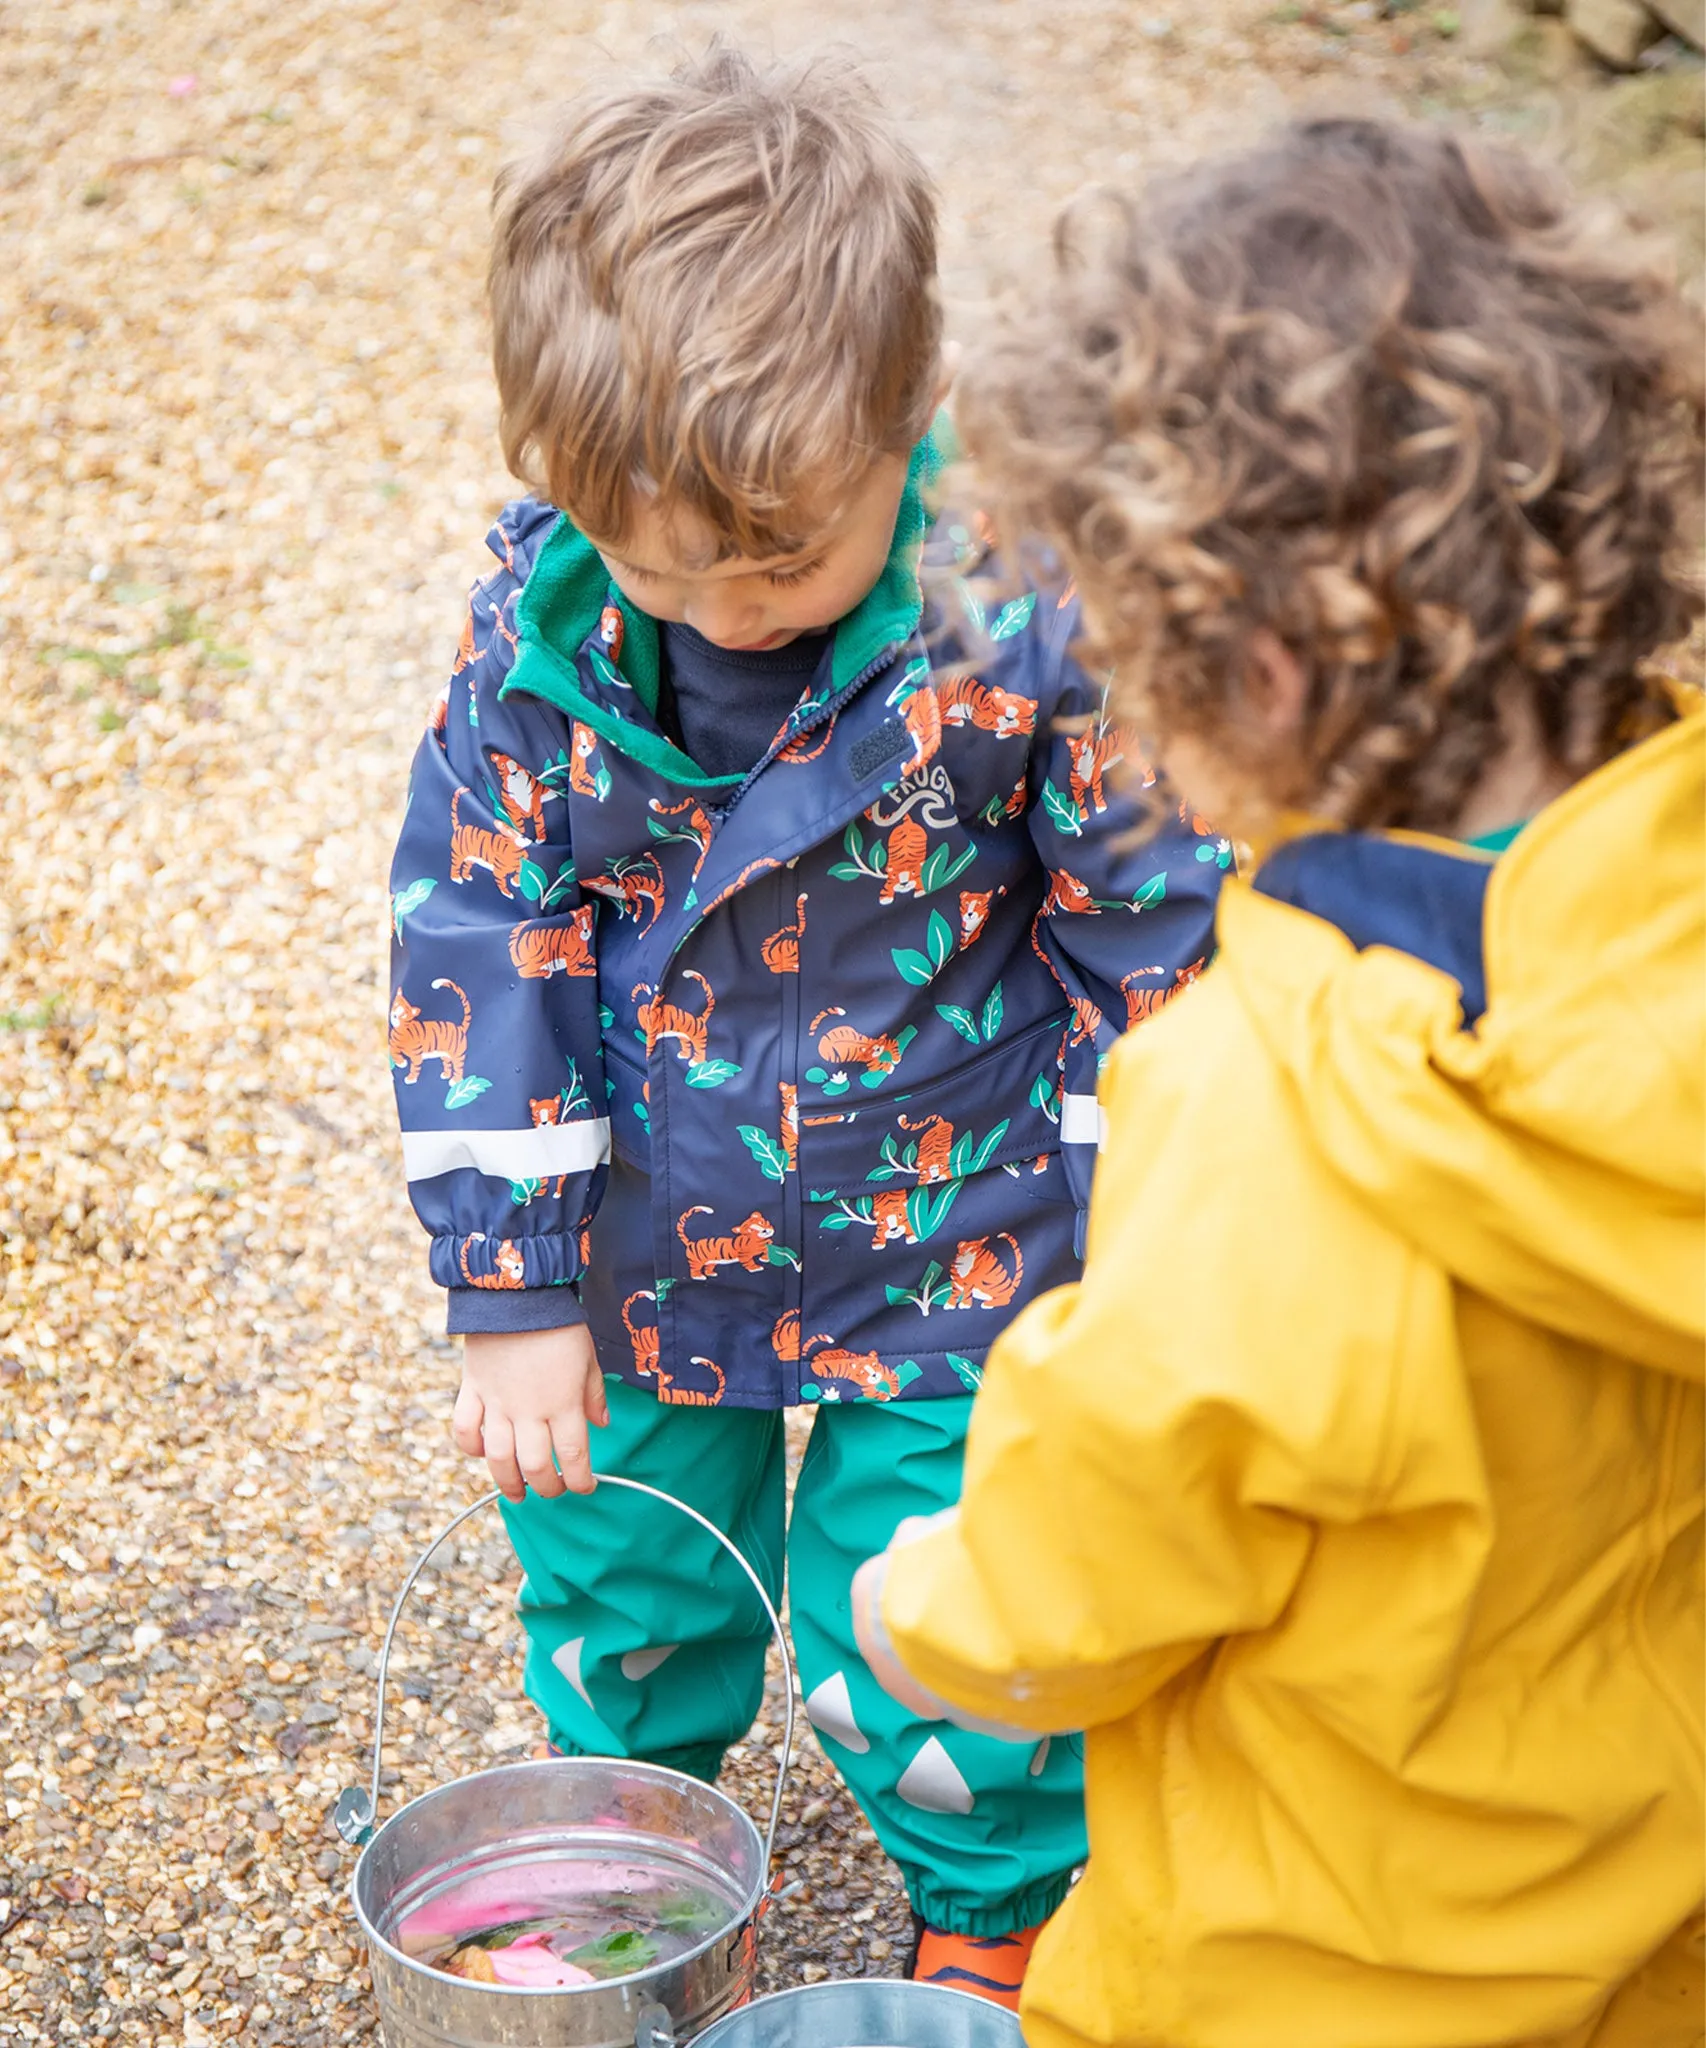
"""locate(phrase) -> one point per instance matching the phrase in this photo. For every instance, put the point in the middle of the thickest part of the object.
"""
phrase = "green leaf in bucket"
(615, 1955)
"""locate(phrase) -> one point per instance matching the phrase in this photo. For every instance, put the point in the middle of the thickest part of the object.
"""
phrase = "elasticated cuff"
(1029, 1908)
(502, 1312)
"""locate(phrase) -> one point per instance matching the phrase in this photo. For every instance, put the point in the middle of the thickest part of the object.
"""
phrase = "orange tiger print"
(413, 1038)
(974, 913)
(698, 827)
(691, 1397)
(790, 1125)
(922, 715)
(1144, 1002)
(583, 750)
(612, 628)
(892, 1219)
(785, 1337)
(781, 951)
(438, 717)
(645, 1339)
(965, 701)
(762, 866)
(544, 1110)
(472, 846)
(1090, 753)
(978, 1279)
(1066, 892)
(846, 1047)
(522, 795)
(748, 1245)
(935, 1148)
(634, 888)
(862, 1369)
(661, 1020)
(903, 872)
(1086, 1021)
(510, 1268)
(541, 950)
(465, 648)
(806, 746)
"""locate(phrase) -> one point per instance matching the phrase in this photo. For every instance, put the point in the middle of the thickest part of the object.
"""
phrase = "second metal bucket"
(867, 2014)
(548, 1824)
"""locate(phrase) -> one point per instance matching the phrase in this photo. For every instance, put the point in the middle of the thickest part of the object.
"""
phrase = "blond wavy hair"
(1400, 399)
(714, 292)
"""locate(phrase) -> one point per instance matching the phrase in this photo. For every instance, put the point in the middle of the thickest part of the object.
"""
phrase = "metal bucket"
(555, 1817)
(867, 2014)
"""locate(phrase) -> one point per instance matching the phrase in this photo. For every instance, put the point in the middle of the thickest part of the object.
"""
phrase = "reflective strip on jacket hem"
(528, 1154)
(1083, 1121)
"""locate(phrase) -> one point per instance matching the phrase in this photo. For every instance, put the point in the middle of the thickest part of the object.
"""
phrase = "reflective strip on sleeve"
(532, 1154)
(1083, 1121)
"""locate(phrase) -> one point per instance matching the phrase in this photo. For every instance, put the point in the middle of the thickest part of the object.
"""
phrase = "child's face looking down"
(670, 568)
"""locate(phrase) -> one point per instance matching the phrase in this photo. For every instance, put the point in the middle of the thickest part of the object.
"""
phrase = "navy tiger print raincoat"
(791, 1075)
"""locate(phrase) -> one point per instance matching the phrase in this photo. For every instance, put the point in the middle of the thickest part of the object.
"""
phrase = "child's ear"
(1275, 686)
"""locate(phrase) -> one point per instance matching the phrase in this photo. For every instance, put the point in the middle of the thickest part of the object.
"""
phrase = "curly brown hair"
(1397, 397)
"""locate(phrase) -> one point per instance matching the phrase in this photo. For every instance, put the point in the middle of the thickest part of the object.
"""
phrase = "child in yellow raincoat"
(1352, 1503)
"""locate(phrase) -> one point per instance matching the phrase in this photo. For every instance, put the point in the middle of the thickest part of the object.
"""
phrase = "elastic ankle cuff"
(1028, 1908)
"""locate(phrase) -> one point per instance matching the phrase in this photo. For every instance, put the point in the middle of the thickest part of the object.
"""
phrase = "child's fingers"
(568, 1433)
(465, 1422)
(595, 1401)
(499, 1447)
(533, 1455)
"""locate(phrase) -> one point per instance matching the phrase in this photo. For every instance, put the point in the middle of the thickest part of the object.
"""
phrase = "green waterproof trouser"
(645, 1639)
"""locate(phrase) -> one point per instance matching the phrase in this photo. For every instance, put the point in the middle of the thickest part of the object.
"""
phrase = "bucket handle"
(355, 1811)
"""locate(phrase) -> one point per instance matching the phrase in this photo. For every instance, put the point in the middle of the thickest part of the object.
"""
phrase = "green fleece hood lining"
(569, 589)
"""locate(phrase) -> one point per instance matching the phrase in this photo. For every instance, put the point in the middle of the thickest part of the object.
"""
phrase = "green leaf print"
(533, 883)
(837, 1222)
(409, 899)
(845, 871)
(908, 1370)
(561, 886)
(940, 940)
(521, 1192)
(1013, 618)
(772, 1160)
(939, 869)
(1151, 893)
(932, 1289)
(711, 1073)
(989, 1024)
(469, 1089)
(780, 1255)
(969, 1376)
(972, 605)
(1062, 812)
(1046, 1097)
(927, 1208)
(986, 1151)
(962, 1020)
(912, 966)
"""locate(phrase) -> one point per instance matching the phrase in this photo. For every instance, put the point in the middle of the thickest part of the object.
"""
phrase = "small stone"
(1616, 31)
(320, 1714)
(240, 1857)
(879, 1950)
(813, 1973)
(327, 1864)
(267, 1821)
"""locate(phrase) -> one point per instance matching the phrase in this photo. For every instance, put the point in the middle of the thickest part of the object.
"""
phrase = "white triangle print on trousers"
(567, 1658)
(1041, 1757)
(932, 1784)
(829, 1708)
(640, 1664)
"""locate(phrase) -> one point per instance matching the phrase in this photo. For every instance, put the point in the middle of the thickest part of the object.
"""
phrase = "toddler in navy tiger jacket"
(760, 921)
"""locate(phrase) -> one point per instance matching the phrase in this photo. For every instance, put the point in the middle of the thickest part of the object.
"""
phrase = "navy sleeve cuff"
(502, 1312)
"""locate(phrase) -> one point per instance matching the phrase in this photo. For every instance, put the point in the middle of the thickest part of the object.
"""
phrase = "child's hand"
(524, 1397)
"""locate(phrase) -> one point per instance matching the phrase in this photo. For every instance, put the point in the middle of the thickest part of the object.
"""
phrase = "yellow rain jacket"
(1352, 1503)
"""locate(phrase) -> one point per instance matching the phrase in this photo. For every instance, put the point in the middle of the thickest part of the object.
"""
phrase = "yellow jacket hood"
(1550, 1156)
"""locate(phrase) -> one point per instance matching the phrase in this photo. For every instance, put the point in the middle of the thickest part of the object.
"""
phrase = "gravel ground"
(246, 463)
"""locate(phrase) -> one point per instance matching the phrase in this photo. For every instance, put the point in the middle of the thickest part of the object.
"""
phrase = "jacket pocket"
(630, 1115)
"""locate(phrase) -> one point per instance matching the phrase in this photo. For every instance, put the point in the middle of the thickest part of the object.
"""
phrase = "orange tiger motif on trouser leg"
(978, 1279)
(935, 1147)
(660, 1020)
(413, 1038)
(1090, 754)
(541, 950)
(862, 1369)
(645, 1339)
(511, 1270)
(472, 846)
(747, 1246)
